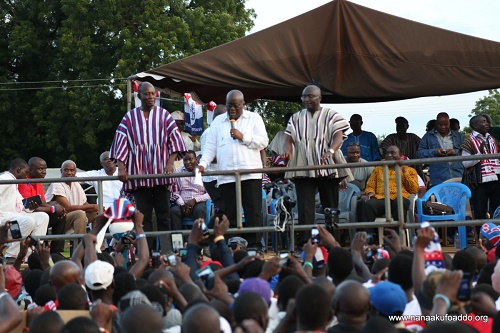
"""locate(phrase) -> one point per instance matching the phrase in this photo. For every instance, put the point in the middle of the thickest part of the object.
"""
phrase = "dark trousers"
(157, 198)
(374, 208)
(214, 193)
(176, 214)
(328, 189)
(480, 196)
(251, 197)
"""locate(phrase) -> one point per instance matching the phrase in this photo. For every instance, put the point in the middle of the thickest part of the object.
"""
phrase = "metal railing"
(237, 173)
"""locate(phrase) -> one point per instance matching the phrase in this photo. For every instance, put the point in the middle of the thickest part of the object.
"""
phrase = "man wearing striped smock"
(481, 175)
(147, 142)
(313, 136)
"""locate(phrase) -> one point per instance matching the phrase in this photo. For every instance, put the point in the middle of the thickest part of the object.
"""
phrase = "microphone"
(233, 124)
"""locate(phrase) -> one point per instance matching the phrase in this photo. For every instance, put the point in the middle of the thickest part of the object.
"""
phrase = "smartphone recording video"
(252, 252)
(205, 229)
(207, 277)
(314, 235)
(15, 230)
(155, 259)
(465, 288)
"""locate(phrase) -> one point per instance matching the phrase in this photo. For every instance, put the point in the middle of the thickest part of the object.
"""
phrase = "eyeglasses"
(303, 97)
(236, 106)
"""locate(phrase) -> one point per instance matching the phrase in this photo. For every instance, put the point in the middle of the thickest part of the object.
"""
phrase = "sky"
(476, 18)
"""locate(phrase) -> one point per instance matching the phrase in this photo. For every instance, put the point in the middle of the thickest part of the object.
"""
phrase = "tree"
(273, 113)
(487, 105)
(83, 51)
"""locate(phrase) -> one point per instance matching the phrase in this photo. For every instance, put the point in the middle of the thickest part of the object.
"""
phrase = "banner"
(193, 116)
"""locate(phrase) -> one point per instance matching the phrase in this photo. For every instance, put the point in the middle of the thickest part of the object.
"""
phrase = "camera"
(331, 217)
(128, 237)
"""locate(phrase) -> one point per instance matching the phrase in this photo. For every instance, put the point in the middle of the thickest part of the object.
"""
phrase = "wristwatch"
(331, 151)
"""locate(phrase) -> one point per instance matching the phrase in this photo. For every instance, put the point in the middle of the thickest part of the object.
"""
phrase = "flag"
(137, 101)
(193, 120)
(210, 112)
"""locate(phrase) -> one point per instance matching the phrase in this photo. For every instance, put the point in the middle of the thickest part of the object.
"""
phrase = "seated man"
(374, 205)
(12, 208)
(110, 188)
(72, 197)
(38, 170)
(189, 198)
(361, 175)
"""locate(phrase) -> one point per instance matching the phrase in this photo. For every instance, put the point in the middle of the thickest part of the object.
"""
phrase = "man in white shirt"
(110, 188)
(12, 208)
(210, 182)
(236, 140)
(72, 197)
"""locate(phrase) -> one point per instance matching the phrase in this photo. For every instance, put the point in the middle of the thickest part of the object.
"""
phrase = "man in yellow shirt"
(374, 205)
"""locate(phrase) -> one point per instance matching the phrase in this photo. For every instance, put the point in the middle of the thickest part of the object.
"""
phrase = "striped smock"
(312, 137)
(144, 145)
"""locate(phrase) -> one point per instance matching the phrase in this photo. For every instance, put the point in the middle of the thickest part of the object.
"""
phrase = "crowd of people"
(322, 287)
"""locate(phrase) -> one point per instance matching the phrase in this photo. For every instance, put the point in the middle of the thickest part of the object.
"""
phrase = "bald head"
(63, 273)
(200, 318)
(314, 89)
(34, 160)
(150, 319)
(219, 109)
(351, 302)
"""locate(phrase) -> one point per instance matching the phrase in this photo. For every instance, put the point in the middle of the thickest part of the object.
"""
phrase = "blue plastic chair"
(187, 222)
(451, 194)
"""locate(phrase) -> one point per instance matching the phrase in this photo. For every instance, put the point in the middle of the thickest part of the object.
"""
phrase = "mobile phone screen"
(315, 235)
(465, 288)
(155, 259)
(182, 254)
(206, 276)
(15, 231)
(204, 229)
(252, 252)
(176, 241)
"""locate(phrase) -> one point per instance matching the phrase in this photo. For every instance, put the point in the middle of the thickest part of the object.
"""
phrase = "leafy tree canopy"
(487, 105)
(82, 51)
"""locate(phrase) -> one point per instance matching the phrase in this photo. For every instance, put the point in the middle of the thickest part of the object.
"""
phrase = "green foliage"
(487, 105)
(273, 113)
(74, 42)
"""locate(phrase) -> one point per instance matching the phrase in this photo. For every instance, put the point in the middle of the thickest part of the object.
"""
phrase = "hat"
(99, 275)
(209, 262)
(177, 115)
(256, 285)
(491, 232)
(388, 298)
(14, 281)
(240, 241)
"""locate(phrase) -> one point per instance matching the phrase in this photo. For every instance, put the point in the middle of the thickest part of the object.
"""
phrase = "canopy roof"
(353, 53)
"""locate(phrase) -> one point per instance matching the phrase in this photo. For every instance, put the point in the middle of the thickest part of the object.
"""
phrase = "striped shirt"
(184, 190)
(144, 145)
(312, 137)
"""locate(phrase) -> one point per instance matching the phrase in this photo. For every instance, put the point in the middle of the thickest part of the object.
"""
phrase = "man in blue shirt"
(442, 141)
(367, 141)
